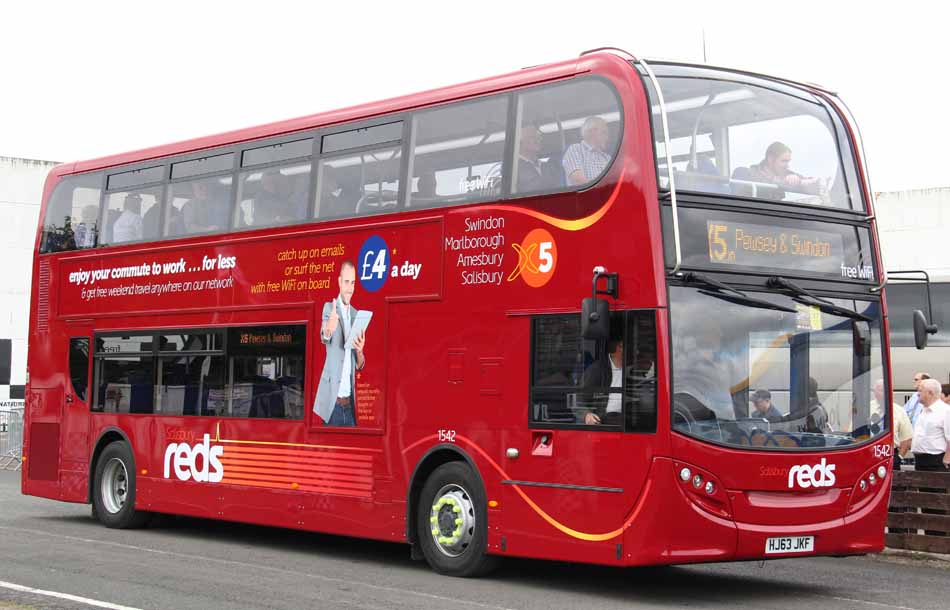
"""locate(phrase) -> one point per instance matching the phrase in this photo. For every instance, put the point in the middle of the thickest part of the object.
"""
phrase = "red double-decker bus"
(602, 310)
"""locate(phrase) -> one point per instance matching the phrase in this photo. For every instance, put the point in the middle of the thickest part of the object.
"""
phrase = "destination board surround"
(727, 240)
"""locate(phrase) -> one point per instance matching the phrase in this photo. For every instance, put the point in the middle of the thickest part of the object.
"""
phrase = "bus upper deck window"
(755, 139)
(198, 206)
(72, 215)
(459, 153)
(567, 136)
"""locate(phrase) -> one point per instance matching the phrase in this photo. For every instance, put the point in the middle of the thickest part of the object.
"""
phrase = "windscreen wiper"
(733, 295)
(809, 298)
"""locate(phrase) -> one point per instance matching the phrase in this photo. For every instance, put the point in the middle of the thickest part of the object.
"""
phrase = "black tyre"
(452, 522)
(113, 493)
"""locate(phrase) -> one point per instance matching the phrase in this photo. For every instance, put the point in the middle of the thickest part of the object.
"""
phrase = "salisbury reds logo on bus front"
(201, 462)
(821, 474)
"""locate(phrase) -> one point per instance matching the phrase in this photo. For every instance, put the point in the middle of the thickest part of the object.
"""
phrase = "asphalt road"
(190, 563)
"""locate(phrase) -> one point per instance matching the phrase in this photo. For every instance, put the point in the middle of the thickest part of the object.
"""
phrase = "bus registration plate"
(790, 544)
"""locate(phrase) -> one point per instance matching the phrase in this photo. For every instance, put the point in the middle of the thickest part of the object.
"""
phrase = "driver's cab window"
(604, 384)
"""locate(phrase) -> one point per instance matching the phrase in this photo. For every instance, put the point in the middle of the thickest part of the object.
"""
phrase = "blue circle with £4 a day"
(372, 267)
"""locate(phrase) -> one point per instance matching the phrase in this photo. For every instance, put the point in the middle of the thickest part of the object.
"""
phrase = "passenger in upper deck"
(85, 232)
(204, 212)
(774, 169)
(128, 226)
(272, 203)
(586, 160)
(533, 174)
(335, 201)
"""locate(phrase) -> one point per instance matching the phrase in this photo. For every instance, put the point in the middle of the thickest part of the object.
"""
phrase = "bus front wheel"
(452, 522)
(113, 497)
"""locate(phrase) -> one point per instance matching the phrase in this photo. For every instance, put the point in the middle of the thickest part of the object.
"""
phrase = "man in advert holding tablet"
(343, 332)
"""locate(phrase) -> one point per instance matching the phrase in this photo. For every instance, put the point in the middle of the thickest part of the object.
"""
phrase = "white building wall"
(914, 230)
(21, 188)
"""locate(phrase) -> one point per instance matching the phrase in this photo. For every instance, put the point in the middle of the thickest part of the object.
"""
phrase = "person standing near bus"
(587, 159)
(903, 429)
(336, 396)
(912, 406)
(931, 445)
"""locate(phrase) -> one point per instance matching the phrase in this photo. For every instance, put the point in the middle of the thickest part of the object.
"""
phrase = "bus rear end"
(780, 403)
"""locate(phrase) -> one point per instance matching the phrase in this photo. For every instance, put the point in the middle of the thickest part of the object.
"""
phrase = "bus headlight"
(881, 472)
(685, 474)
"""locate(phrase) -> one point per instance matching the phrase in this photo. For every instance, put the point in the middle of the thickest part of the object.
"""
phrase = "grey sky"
(86, 79)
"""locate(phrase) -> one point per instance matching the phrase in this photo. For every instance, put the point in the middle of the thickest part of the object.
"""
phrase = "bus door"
(76, 399)
(74, 414)
(576, 471)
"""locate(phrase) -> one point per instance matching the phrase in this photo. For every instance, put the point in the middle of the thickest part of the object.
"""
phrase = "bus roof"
(587, 62)
(526, 76)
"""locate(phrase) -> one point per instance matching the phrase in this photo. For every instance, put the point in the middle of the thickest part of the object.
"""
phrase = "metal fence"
(11, 439)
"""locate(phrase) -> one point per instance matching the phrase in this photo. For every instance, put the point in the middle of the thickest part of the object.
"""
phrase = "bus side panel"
(669, 528)
(41, 443)
(445, 401)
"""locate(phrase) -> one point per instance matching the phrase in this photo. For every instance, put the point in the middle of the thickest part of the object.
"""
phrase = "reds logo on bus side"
(200, 462)
(819, 475)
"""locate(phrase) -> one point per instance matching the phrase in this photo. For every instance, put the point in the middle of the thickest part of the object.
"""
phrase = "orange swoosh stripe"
(302, 474)
(297, 454)
(294, 466)
(281, 479)
(316, 462)
(285, 486)
(591, 537)
(218, 439)
(562, 223)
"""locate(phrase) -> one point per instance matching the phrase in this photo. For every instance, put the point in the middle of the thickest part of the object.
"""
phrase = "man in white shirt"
(912, 406)
(128, 226)
(931, 444)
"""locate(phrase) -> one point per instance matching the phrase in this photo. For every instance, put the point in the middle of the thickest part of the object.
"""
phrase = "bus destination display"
(745, 244)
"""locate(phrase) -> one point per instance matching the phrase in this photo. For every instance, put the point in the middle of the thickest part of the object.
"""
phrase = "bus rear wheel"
(452, 522)
(113, 494)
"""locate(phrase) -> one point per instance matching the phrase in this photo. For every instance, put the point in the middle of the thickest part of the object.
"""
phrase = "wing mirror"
(922, 329)
(595, 312)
